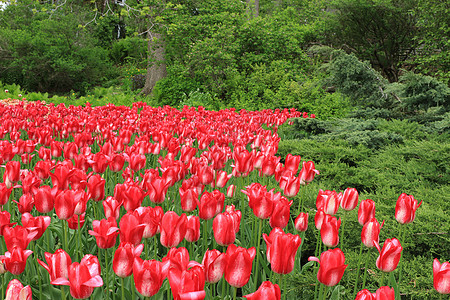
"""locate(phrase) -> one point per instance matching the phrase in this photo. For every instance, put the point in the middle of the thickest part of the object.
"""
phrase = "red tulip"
(214, 265)
(329, 231)
(44, 199)
(16, 291)
(129, 194)
(76, 222)
(42, 168)
(18, 236)
(307, 172)
(441, 276)
(329, 201)
(44, 153)
(61, 177)
(26, 158)
(267, 290)
(258, 200)
(205, 173)
(148, 276)
(38, 224)
(269, 165)
(281, 250)
(385, 293)
(99, 162)
(366, 211)
(124, 257)
(187, 284)
(151, 218)
(238, 266)
(81, 162)
(137, 161)
(83, 278)
(25, 204)
(301, 222)
(318, 218)
(116, 162)
(231, 191)
(12, 173)
(210, 204)
(192, 229)
(78, 179)
(290, 185)
(350, 199)
(56, 148)
(371, 232)
(364, 295)
(5, 221)
(189, 198)
(131, 230)
(331, 267)
(96, 187)
(65, 204)
(224, 229)
(243, 160)
(5, 192)
(292, 163)
(70, 150)
(222, 178)
(405, 209)
(105, 232)
(281, 212)
(187, 152)
(30, 182)
(389, 255)
(15, 260)
(58, 264)
(111, 207)
(173, 229)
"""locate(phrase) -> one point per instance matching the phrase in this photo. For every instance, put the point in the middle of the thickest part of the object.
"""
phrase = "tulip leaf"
(336, 292)
(393, 283)
(306, 266)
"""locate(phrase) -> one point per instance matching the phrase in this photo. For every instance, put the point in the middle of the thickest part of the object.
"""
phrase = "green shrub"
(421, 92)
(131, 50)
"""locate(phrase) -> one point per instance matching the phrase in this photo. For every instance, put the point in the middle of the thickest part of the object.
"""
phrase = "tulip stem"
(106, 273)
(320, 291)
(365, 270)
(382, 278)
(205, 235)
(401, 235)
(257, 253)
(344, 217)
(63, 294)
(123, 288)
(357, 271)
(79, 238)
(234, 293)
(224, 283)
(300, 203)
(65, 229)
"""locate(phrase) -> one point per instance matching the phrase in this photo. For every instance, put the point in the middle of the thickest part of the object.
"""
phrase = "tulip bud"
(389, 255)
(441, 276)
(301, 222)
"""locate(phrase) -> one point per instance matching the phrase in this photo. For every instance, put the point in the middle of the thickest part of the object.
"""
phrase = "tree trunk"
(156, 69)
(253, 7)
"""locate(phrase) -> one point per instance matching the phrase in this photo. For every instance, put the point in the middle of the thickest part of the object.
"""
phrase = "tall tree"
(381, 31)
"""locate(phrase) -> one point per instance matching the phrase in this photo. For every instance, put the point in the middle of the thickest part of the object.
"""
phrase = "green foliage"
(381, 32)
(52, 55)
(357, 80)
(130, 50)
(422, 92)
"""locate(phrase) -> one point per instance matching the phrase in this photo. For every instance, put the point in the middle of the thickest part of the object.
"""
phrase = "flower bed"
(133, 202)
